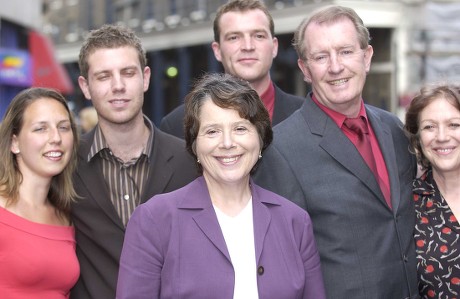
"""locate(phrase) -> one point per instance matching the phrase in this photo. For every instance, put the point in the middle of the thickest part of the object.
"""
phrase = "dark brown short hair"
(241, 6)
(226, 92)
(109, 37)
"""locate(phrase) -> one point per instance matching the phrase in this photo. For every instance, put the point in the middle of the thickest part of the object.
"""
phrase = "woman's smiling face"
(227, 145)
(439, 125)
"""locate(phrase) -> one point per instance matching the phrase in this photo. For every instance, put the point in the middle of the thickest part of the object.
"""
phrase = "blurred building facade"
(408, 36)
(27, 56)
(15, 62)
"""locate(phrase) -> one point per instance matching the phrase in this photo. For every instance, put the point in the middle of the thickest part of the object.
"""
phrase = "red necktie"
(359, 126)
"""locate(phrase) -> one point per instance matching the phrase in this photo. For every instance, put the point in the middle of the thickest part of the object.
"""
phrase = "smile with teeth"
(339, 82)
(118, 101)
(228, 159)
(443, 150)
(53, 154)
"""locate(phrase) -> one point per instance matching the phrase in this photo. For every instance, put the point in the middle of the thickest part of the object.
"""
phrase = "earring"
(198, 161)
(260, 155)
(17, 151)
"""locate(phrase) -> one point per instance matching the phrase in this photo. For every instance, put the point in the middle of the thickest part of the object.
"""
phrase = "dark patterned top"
(437, 241)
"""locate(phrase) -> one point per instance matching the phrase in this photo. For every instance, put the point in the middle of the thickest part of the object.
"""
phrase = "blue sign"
(15, 67)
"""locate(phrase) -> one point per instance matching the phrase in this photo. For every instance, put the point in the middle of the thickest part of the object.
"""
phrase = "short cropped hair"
(241, 6)
(109, 37)
(330, 14)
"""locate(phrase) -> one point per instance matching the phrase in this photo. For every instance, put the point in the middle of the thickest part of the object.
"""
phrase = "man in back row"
(245, 44)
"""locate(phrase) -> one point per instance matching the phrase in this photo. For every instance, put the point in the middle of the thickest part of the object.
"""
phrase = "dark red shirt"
(268, 98)
(339, 118)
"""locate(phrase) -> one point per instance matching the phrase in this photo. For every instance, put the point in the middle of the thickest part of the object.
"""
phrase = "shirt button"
(405, 258)
(126, 197)
(260, 270)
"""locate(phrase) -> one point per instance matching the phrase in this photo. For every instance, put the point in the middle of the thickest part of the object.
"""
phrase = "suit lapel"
(205, 217)
(160, 171)
(91, 176)
(278, 112)
(261, 220)
(385, 140)
(336, 144)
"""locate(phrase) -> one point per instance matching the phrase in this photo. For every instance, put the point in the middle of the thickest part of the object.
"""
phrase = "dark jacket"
(367, 249)
(285, 105)
(99, 230)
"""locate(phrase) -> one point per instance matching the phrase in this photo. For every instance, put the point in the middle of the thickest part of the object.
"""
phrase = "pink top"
(36, 260)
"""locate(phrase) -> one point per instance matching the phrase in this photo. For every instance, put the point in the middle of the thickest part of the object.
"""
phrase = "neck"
(126, 141)
(261, 86)
(34, 192)
(229, 198)
(448, 183)
(450, 190)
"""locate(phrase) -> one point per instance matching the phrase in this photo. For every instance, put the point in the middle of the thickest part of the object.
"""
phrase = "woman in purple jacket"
(221, 236)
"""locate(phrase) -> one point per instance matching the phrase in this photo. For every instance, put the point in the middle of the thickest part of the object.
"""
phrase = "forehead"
(440, 105)
(44, 108)
(210, 112)
(253, 19)
(337, 33)
(108, 58)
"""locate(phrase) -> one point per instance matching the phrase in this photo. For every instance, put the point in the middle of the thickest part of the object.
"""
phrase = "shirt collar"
(99, 142)
(337, 117)
(268, 96)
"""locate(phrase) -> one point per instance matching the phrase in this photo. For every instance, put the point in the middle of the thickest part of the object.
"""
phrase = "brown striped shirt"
(125, 181)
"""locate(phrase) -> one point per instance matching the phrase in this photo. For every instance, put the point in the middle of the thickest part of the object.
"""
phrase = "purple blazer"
(174, 248)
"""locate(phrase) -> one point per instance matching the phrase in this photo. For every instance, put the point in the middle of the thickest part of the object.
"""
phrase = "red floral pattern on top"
(437, 233)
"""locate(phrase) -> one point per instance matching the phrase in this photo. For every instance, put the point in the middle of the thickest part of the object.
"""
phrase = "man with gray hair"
(347, 163)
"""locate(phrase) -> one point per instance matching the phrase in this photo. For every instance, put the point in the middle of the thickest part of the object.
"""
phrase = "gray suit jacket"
(99, 230)
(285, 105)
(366, 249)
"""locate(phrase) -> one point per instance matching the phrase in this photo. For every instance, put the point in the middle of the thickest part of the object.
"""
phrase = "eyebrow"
(43, 122)
(257, 30)
(131, 67)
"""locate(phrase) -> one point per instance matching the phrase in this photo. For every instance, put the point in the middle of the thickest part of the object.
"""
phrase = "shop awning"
(46, 70)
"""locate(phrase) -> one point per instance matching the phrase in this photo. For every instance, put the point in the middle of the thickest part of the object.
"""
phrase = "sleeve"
(314, 285)
(141, 259)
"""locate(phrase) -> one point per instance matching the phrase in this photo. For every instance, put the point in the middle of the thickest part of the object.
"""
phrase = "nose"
(55, 136)
(227, 140)
(335, 63)
(118, 83)
(443, 134)
(248, 43)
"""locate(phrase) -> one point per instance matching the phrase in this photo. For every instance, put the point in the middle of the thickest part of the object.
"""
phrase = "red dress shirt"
(268, 98)
(339, 119)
